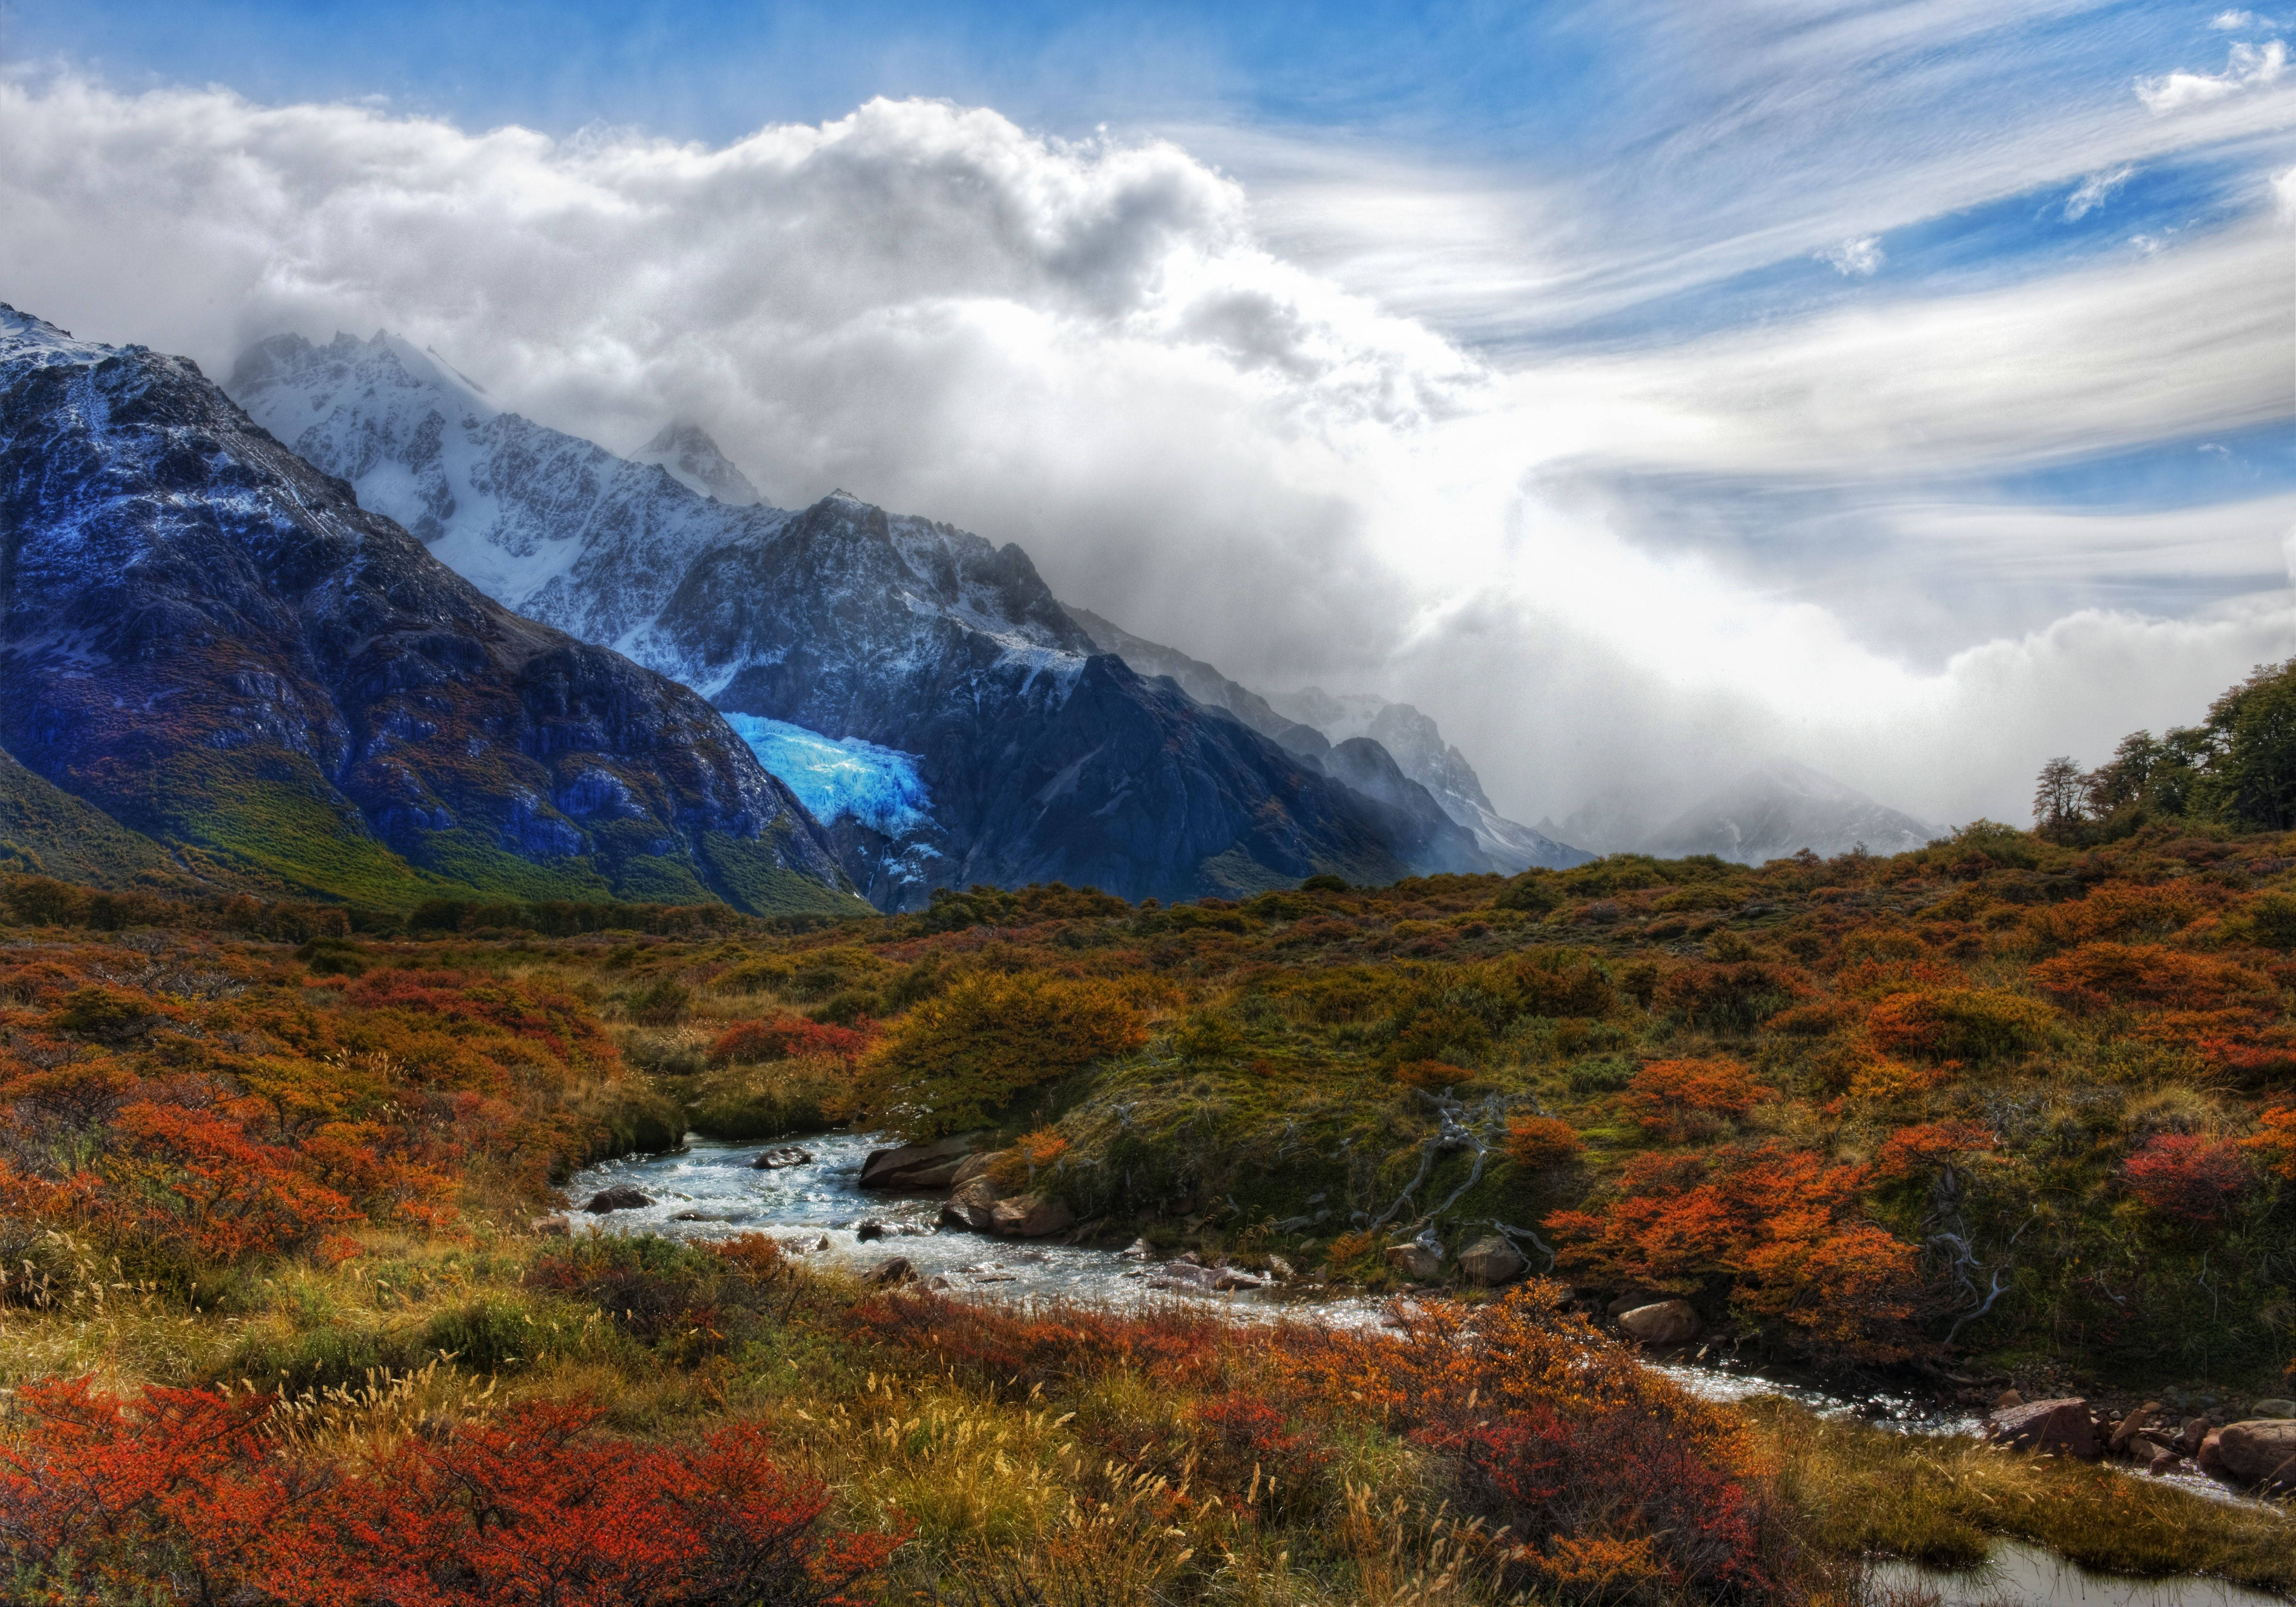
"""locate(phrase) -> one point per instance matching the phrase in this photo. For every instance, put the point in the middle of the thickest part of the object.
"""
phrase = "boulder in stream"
(2254, 1451)
(779, 1159)
(621, 1197)
(2065, 1427)
(915, 1168)
(1032, 1216)
(1491, 1261)
(1665, 1323)
(973, 1205)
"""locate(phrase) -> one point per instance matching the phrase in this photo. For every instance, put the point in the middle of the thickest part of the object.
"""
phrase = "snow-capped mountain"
(214, 646)
(695, 462)
(1780, 807)
(924, 677)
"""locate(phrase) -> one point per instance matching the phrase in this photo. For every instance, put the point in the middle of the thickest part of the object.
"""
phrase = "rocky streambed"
(935, 1214)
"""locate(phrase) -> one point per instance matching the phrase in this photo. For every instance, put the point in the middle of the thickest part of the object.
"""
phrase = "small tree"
(2059, 798)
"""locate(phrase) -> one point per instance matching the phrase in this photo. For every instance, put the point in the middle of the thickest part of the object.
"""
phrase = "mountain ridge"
(1037, 755)
(209, 643)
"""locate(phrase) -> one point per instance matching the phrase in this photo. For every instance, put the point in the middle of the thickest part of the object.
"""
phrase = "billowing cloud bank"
(1086, 349)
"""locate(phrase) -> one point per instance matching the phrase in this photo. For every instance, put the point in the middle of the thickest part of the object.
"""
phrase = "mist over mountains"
(948, 719)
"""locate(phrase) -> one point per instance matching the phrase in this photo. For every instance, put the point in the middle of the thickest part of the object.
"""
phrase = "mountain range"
(223, 669)
(951, 721)
(1777, 808)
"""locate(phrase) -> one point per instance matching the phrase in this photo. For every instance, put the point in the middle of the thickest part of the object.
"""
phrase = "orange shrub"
(1918, 1151)
(1536, 1143)
(2098, 974)
(2119, 911)
(1780, 1222)
(2275, 1143)
(1733, 998)
(1432, 1074)
(1685, 1100)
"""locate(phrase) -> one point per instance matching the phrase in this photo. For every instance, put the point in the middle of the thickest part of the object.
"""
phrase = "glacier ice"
(840, 778)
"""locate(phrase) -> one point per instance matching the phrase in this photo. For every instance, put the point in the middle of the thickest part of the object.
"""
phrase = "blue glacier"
(840, 778)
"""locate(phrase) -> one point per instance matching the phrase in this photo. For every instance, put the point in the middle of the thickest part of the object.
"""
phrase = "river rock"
(2273, 1408)
(2064, 1427)
(1139, 1250)
(1030, 1217)
(973, 1166)
(2251, 1451)
(1491, 1261)
(774, 1160)
(621, 1197)
(973, 1206)
(863, 1232)
(550, 1228)
(895, 1270)
(1666, 1322)
(2164, 1459)
(2134, 1425)
(915, 1168)
(1416, 1262)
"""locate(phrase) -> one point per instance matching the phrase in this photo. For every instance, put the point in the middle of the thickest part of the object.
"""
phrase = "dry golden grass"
(1856, 1489)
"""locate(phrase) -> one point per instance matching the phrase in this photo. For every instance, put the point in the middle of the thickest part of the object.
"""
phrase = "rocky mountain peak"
(684, 450)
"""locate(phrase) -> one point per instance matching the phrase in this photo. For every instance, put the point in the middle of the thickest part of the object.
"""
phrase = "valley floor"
(277, 1324)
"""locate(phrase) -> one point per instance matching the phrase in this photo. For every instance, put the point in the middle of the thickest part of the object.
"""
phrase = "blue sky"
(1771, 375)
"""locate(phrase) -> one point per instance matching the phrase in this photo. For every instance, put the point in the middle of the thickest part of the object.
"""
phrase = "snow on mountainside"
(693, 460)
(551, 525)
(209, 641)
(1033, 756)
(1781, 807)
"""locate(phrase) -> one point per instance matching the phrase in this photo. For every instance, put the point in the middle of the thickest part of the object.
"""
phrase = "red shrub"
(787, 1038)
(2187, 1177)
(176, 1493)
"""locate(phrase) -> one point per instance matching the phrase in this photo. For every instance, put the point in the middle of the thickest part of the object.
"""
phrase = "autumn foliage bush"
(788, 1037)
(1685, 1100)
(1784, 1225)
(2193, 1178)
(1539, 1142)
(955, 1061)
(187, 1494)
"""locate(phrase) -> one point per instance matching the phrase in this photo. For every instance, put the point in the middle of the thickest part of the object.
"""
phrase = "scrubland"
(275, 1328)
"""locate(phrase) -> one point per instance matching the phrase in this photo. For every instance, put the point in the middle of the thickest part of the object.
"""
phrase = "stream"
(711, 1189)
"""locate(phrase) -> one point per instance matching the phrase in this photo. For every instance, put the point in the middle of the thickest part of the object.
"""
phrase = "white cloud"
(2226, 23)
(2094, 191)
(1090, 349)
(1861, 258)
(2249, 67)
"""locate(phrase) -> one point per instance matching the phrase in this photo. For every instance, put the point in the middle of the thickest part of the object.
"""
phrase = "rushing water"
(711, 1189)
